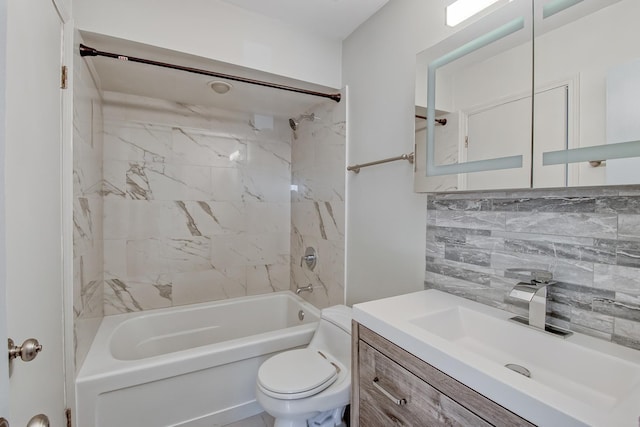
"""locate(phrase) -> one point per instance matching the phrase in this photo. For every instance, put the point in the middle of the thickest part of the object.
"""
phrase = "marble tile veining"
(317, 204)
(198, 204)
(570, 224)
(629, 226)
(482, 220)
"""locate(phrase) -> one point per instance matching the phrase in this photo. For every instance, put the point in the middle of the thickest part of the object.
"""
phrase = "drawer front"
(425, 406)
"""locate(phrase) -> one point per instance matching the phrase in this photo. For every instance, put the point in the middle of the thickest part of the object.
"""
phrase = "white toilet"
(312, 383)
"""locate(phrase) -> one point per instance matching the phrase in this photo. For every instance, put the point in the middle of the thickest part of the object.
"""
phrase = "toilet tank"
(334, 333)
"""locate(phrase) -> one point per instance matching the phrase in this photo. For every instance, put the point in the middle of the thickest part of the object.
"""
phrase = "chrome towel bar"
(356, 168)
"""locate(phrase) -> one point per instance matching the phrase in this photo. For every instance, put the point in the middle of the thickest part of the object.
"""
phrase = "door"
(499, 131)
(504, 130)
(32, 208)
(551, 133)
(623, 104)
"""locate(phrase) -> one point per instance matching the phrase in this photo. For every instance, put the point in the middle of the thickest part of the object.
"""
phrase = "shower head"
(294, 123)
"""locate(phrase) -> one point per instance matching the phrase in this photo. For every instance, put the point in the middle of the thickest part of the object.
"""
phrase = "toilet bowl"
(309, 383)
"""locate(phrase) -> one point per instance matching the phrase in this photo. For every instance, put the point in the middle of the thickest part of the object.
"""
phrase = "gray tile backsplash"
(588, 238)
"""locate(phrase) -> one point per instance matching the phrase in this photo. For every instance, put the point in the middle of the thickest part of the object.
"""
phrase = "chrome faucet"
(308, 288)
(535, 293)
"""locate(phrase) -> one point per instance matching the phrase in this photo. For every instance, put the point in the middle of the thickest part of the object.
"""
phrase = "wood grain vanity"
(392, 387)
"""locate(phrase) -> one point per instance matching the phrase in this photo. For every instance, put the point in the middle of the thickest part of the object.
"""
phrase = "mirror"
(479, 81)
(587, 79)
(580, 128)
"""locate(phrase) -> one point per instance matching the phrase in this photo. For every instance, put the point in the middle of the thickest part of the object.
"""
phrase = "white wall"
(64, 8)
(214, 29)
(385, 218)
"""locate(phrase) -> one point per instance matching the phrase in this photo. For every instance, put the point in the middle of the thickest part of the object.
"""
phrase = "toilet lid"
(296, 374)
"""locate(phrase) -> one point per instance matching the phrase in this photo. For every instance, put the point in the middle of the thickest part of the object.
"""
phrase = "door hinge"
(67, 414)
(63, 77)
(466, 141)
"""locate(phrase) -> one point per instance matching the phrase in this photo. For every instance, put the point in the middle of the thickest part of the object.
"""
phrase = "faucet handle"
(541, 276)
(537, 276)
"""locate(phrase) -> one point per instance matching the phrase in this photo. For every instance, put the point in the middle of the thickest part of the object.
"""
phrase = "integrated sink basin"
(551, 361)
(577, 380)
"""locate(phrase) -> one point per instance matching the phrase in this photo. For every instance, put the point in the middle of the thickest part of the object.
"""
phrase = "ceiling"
(334, 19)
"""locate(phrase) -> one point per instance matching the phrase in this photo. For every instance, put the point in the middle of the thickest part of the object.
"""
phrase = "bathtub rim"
(100, 364)
(147, 321)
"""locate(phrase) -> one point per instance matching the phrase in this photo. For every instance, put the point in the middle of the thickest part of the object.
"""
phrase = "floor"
(266, 420)
(260, 420)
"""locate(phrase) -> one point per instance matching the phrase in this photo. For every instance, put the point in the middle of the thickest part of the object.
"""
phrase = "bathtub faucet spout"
(308, 288)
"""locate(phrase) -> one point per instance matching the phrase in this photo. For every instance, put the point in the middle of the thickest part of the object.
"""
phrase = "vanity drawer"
(425, 406)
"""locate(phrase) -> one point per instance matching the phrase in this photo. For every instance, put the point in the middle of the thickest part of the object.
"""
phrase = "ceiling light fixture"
(461, 10)
(220, 87)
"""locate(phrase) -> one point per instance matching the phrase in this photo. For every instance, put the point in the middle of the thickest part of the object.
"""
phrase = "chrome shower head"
(294, 123)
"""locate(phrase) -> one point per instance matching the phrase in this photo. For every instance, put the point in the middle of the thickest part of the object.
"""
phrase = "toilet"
(311, 384)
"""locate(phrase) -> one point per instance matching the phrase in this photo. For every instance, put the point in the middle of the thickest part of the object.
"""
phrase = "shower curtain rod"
(439, 121)
(89, 51)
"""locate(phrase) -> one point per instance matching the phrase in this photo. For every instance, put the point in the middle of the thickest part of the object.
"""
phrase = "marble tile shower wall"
(196, 204)
(87, 210)
(589, 239)
(317, 206)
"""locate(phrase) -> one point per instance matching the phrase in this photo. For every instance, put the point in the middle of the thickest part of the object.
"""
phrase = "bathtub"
(191, 366)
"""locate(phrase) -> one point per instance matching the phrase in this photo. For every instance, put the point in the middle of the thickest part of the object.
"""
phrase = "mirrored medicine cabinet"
(536, 94)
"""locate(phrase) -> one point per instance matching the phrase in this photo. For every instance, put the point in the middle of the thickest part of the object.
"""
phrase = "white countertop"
(402, 320)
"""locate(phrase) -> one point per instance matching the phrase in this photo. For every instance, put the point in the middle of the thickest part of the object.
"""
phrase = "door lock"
(27, 351)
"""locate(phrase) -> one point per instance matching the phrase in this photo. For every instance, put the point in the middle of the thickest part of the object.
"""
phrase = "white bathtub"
(192, 366)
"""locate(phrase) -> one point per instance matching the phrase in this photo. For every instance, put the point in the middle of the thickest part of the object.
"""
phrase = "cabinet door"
(425, 406)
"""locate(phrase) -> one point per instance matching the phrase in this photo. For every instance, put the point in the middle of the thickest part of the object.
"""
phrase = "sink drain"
(519, 369)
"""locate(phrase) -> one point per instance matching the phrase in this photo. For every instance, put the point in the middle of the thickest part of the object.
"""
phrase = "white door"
(551, 133)
(32, 214)
(623, 104)
(499, 131)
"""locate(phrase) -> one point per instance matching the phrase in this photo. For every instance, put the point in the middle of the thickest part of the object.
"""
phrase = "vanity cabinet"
(391, 387)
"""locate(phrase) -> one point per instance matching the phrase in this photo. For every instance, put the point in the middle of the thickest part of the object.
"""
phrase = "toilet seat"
(296, 374)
